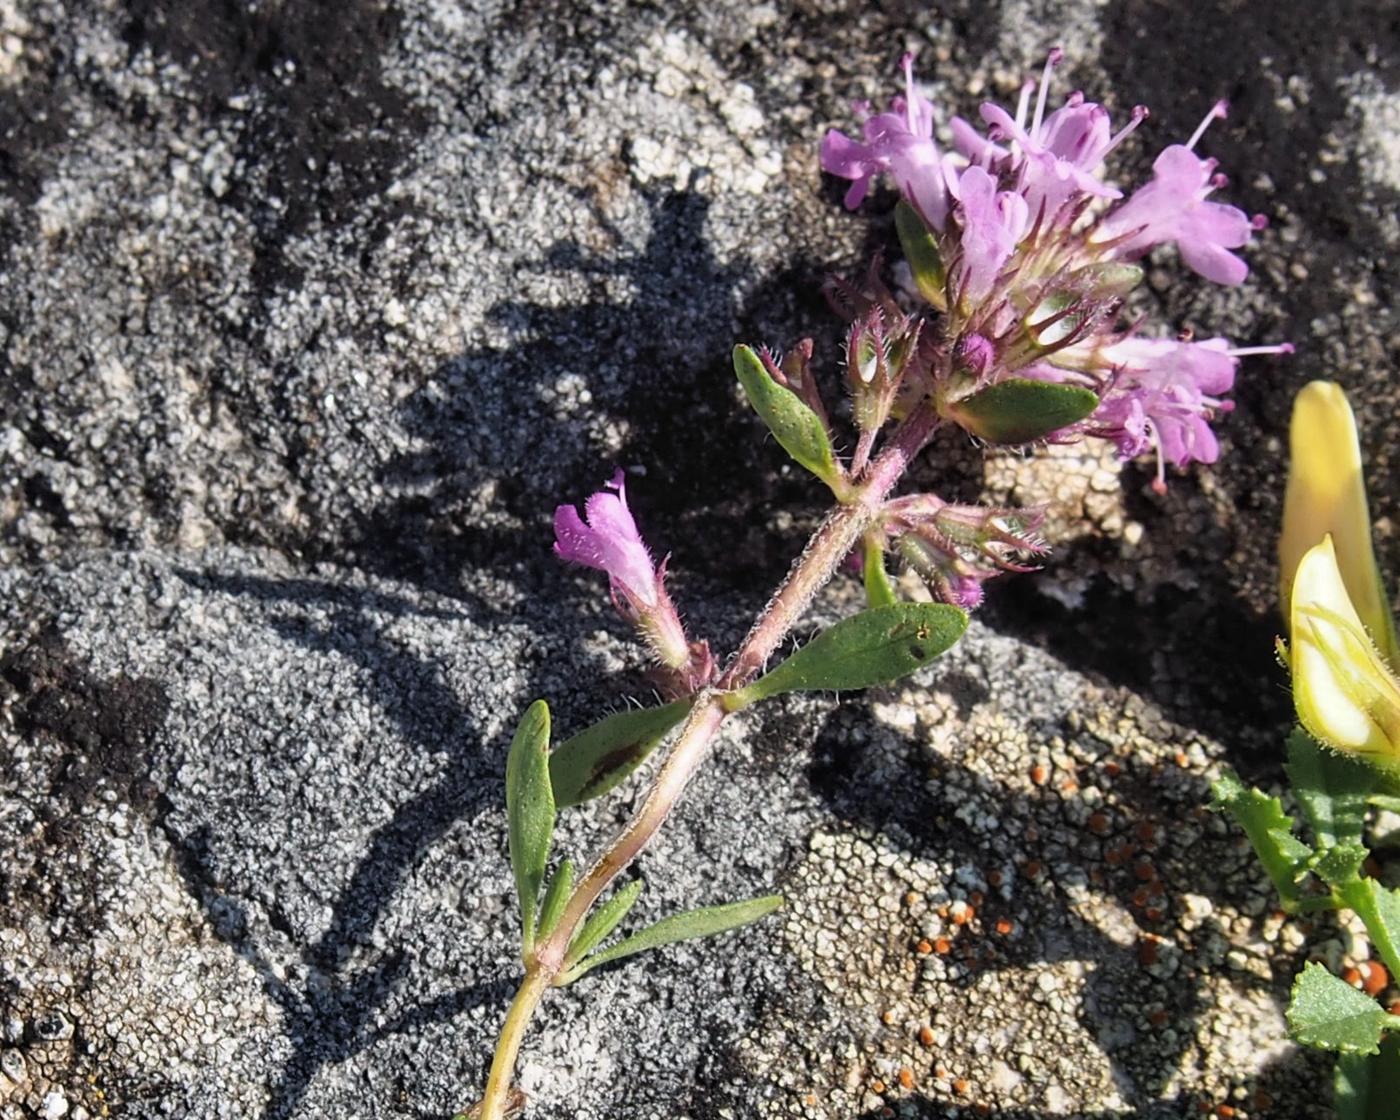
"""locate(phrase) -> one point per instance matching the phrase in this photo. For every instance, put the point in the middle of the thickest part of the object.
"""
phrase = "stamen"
(1246, 351)
(1024, 103)
(1140, 114)
(1218, 180)
(1051, 61)
(1218, 111)
(907, 63)
(1259, 221)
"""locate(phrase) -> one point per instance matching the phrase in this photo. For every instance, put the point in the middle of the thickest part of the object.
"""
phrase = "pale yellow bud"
(1327, 495)
(1344, 693)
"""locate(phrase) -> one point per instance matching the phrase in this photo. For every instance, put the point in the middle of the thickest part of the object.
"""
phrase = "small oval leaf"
(797, 428)
(530, 811)
(1020, 410)
(1327, 1012)
(682, 927)
(561, 885)
(598, 757)
(921, 251)
(600, 923)
(877, 646)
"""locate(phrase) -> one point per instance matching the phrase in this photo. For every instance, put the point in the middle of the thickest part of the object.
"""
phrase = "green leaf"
(798, 429)
(530, 809)
(556, 895)
(600, 923)
(921, 251)
(1379, 908)
(877, 646)
(1327, 1012)
(1368, 1085)
(1340, 864)
(1387, 801)
(597, 758)
(1020, 410)
(683, 927)
(1269, 829)
(1331, 789)
(879, 592)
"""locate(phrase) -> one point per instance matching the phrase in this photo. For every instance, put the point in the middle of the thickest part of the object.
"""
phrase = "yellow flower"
(1344, 693)
(1327, 495)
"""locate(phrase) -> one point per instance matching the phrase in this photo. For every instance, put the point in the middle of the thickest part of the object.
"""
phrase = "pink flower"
(899, 141)
(1173, 207)
(992, 223)
(609, 542)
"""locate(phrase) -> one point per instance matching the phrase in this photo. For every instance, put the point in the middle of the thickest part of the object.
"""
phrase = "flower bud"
(1343, 691)
(1327, 495)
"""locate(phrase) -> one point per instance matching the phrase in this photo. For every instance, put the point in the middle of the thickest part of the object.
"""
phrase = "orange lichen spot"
(1225, 1111)
(877, 1086)
(942, 946)
(943, 910)
(926, 1036)
(962, 913)
(1099, 824)
(1353, 977)
(923, 948)
(1069, 787)
(1374, 978)
(1182, 759)
(1040, 774)
(1004, 926)
(961, 1086)
(1112, 769)
(906, 1077)
(911, 898)
(887, 1017)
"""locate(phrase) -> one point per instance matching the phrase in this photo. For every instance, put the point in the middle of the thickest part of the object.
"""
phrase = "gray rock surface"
(310, 315)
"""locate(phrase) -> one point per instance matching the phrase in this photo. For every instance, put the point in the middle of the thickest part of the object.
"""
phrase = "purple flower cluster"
(1038, 254)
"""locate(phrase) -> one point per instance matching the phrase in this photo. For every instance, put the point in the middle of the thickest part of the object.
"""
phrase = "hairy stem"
(833, 540)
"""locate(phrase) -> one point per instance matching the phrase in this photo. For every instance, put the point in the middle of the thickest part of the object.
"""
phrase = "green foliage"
(921, 251)
(877, 646)
(599, 757)
(1368, 1085)
(556, 896)
(878, 590)
(1327, 1012)
(530, 812)
(1379, 908)
(797, 428)
(705, 922)
(1331, 789)
(1020, 410)
(1269, 829)
(600, 923)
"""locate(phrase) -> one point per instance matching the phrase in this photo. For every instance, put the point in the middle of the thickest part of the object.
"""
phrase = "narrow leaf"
(561, 885)
(1331, 789)
(530, 809)
(797, 428)
(1327, 1012)
(599, 757)
(1379, 908)
(1368, 1085)
(684, 927)
(1020, 410)
(600, 923)
(1269, 829)
(877, 646)
(921, 251)
(878, 590)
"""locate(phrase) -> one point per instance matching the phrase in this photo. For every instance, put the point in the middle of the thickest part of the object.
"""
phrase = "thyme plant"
(1008, 325)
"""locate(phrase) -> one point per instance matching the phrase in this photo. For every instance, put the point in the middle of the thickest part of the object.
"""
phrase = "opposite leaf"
(601, 923)
(597, 758)
(1327, 1012)
(797, 428)
(877, 646)
(556, 896)
(530, 809)
(683, 927)
(921, 251)
(1269, 829)
(1020, 410)
(1368, 1085)
(1331, 788)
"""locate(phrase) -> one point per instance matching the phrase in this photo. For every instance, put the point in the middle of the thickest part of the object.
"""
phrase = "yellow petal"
(1343, 691)
(1327, 494)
